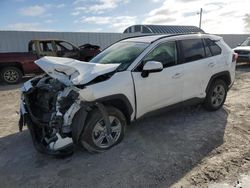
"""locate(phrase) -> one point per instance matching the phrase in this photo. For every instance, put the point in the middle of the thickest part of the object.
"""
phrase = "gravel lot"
(185, 147)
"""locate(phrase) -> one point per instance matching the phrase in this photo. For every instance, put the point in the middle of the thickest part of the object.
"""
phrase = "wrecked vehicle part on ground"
(48, 107)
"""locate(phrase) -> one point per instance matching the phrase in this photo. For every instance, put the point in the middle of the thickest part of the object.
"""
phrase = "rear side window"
(193, 49)
(214, 48)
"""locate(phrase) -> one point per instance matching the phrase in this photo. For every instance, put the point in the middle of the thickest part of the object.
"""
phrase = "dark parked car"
(243, 51)
(14, 65)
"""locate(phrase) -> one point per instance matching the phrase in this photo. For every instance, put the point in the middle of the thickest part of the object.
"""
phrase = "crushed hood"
(73, 72)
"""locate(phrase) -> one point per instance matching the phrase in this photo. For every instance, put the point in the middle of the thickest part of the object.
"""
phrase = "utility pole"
(200, 18)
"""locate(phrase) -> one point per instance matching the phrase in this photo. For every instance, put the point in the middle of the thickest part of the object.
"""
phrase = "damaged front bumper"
(48, 107)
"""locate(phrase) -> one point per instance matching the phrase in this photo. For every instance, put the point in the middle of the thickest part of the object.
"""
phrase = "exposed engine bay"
(51, 107)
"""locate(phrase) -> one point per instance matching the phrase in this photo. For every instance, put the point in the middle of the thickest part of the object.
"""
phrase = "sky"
(219, 16)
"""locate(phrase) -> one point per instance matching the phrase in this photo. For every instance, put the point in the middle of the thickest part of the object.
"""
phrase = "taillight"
(235, 57)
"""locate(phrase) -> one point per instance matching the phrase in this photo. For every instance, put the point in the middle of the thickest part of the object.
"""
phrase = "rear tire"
(94, 137)
(216, 95)
(11, 75)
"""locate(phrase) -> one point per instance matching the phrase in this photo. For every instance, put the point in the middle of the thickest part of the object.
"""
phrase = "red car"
(14, 65)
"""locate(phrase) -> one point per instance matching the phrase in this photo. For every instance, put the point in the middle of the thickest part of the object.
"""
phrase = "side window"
(166, 53)
(58, 47)
(66, 46)
(32, 47)
(215, 49)
(46, 46)
(193, 49)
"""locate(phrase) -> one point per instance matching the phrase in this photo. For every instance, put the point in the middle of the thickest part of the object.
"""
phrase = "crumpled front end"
(50, 102)
(47, 108)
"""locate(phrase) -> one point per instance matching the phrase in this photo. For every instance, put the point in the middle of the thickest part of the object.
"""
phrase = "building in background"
(17, 41)
(161, 29)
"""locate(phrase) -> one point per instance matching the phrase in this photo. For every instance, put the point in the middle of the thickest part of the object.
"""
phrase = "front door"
(159, 89)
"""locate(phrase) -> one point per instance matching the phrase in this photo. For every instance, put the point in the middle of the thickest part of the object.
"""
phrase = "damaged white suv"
(90, 104)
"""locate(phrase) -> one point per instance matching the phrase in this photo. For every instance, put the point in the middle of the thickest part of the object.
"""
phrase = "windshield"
(123, 53)
(246, 42)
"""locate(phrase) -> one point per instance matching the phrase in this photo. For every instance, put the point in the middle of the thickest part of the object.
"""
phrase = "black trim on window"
(212, 48)
(139, 66)
(179, 54)
(206, 47)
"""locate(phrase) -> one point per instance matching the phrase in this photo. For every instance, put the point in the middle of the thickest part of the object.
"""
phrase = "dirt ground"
(185, 147)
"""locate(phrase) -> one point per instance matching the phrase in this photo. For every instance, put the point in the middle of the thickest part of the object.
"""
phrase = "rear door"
(215, 61)
(195, 68)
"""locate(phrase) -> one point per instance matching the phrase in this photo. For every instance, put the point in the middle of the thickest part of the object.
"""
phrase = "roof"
(146, 38)
(163, 29)
(154, 37)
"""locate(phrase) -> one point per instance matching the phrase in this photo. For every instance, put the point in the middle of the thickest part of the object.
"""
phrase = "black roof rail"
(164, 35)
(177, 34)
(137, 36)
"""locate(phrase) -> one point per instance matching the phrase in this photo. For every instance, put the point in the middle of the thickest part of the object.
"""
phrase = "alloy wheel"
(218, 95)
(100, 136)
(11, 75)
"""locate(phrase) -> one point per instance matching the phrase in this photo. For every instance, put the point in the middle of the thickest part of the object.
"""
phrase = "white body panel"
(158, 89)
(172, 85)
(119, 83)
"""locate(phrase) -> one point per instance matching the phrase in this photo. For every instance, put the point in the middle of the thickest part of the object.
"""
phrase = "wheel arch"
(225, 75)
(120, 102)
(12, 64)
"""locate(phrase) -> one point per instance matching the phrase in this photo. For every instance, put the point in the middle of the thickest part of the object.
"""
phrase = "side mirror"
(150, 67)
(239, 44)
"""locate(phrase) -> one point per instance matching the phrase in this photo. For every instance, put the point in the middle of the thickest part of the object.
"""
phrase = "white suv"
(90, 104)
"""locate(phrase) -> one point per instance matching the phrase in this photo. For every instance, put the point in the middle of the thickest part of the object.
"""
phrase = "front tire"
(95, 137)
(11, 75)
(216, 95)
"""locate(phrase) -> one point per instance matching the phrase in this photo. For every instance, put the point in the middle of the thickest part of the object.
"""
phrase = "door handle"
(211, 65)
(177, 75)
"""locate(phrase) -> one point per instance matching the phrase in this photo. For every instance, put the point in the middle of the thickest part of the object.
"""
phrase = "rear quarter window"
(214, 48)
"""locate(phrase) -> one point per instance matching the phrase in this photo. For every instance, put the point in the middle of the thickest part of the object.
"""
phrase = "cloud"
(246, 20)
(78, 2)
(99, 8)
(159, 19)
(162, 15)
(32, 26)
(75, 13)
(39, 10)
(115, 24)
(218, 16)
(33, 10)
(49, 21)
(62, 5)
